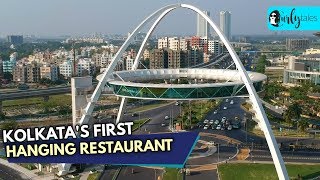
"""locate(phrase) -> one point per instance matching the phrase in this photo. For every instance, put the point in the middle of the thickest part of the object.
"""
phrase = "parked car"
(225, 107)
(227, 100)
(166, 117)
(163, 124)
(215, 112)
(205, 121)
(231, 102)
(206, 127)
(177, 103)
(229, 128)
(211, 121)
(217, 122)
(218, 127)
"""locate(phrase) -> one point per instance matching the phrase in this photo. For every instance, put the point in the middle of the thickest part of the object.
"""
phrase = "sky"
(84, 17)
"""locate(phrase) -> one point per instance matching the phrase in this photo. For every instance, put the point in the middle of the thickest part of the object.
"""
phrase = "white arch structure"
(260, 114)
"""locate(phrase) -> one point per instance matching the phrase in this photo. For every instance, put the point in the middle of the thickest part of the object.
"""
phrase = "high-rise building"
(129, 63)
(214, 47)
(203, 28)
(297, 44)
(49, 71)
(20, 73)
(33, 73)
(85, 67)
(194, 56)
(66, 68)
(158, 59)
(163, 43)
(15, 39)
(1, 68)
(225, 23)
(174, 58)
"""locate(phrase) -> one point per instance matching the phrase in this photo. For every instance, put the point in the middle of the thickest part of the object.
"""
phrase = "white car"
(217, 122)
(166, 117)
(229, 128)
(177, 103)
(205, 121)
(205, 127)
(225, 107)
(218, 127)
(231, 102)
(227, 100)
(215, 112)
(223, 118)
(211, 121)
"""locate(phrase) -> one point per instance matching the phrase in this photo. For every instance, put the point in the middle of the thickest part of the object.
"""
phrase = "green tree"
(261, 65)
(9, 124)
(293, 112)
(303, 124)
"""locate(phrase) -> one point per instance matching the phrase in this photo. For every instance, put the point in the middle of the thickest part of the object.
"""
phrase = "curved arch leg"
(261, 115)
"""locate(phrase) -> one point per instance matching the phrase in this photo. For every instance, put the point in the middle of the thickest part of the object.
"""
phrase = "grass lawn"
(63, 99)
(137, 123)
(147, 107)
(94, 176)
(172, 174)
(265, 171)
(28, 166)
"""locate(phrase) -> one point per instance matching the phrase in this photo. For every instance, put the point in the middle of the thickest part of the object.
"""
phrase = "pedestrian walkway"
(27, 173)
(243, 154)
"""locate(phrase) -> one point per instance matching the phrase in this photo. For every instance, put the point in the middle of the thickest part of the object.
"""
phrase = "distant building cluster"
(58, 64)
(15, 39)
(97, 40)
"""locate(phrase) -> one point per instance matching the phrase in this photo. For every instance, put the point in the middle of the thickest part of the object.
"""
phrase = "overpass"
(21, 94)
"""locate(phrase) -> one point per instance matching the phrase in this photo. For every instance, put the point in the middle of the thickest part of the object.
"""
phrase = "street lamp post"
(218, 153)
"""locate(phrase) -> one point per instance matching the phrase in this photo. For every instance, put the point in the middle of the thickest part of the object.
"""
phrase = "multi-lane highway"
(260, 151)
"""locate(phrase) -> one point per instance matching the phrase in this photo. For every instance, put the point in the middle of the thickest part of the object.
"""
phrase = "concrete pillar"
(80, 86)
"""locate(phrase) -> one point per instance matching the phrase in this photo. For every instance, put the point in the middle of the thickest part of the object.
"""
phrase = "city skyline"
(59, 17)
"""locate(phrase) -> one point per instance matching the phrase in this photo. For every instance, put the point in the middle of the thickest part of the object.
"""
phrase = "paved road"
(152, 126)
(7, 173)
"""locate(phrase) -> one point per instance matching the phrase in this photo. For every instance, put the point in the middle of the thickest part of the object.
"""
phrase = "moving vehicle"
(227, 100)
(166, 117)
(134, 114)
(163, 124)
(177, 103)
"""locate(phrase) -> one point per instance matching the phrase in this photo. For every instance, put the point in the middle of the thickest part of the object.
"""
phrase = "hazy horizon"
(80, 17)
